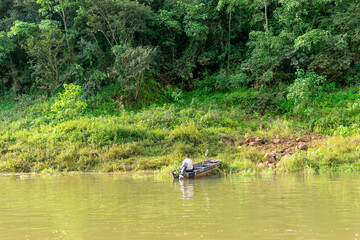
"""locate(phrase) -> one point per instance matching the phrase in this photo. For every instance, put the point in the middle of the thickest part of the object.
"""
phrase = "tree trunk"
(66, 31)
(229, 38)
(63, 18)
(139, 83)
(266, 18)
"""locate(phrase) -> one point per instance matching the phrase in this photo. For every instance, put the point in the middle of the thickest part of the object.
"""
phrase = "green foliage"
(112, 139)
(311, 39)
(306, 86)
(69, 103)
(118, 21)
(95, 43)
(131, 65)
(6, 46)
(44, 45)
(345, 131)
(93, 83)
(162, 78)
(21, 29)
(174, 94)
(195, 16)
(223, 82)
(266, 56)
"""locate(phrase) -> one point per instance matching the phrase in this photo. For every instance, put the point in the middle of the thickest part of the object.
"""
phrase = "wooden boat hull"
(201, 169)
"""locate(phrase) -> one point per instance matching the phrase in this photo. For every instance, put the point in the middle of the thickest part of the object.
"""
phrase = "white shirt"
(189, 162)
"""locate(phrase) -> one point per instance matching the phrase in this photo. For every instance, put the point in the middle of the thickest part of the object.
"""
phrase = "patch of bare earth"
(275, 148)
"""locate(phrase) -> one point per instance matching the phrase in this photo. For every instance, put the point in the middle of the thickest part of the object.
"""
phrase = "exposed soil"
(277, 147)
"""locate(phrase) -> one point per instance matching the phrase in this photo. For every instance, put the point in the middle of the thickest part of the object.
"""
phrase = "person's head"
(187, 156)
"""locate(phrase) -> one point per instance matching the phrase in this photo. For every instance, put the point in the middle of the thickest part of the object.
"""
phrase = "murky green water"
(118, 207)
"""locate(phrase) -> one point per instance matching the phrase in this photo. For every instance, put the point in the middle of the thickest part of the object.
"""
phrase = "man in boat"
(187, 166)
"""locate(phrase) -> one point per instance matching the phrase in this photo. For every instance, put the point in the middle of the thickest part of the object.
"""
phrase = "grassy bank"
(109, 136)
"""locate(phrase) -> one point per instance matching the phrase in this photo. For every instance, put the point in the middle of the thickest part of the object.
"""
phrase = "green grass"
(111, 137)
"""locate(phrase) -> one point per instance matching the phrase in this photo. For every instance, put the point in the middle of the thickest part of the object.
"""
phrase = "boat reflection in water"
(194, 198)
(187, 189)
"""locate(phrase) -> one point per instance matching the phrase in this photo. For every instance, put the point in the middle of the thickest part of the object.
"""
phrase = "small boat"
(201, 169)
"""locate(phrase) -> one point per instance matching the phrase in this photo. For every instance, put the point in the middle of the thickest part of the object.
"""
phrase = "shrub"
(238, 80)
(224, 82)
(69, 103)
(174, 94)
(93, 83)
(306, 86)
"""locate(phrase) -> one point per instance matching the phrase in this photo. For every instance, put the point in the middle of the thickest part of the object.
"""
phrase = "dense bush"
(306, 87)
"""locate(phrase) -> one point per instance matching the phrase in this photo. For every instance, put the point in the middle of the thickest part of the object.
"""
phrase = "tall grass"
(111, 137)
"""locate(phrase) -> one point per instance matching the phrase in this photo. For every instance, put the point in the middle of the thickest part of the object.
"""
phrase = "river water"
(122, 207)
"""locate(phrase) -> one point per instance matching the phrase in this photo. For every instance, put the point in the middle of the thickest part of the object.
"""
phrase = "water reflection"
(187, 189)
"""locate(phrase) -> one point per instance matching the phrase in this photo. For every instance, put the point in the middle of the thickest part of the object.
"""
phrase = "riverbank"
(249, 137)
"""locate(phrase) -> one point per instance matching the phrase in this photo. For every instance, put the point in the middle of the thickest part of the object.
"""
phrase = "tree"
(117, 20)
(131, 65)
(43, 43)
(61, 7)
(7, 46)
(231, 5)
